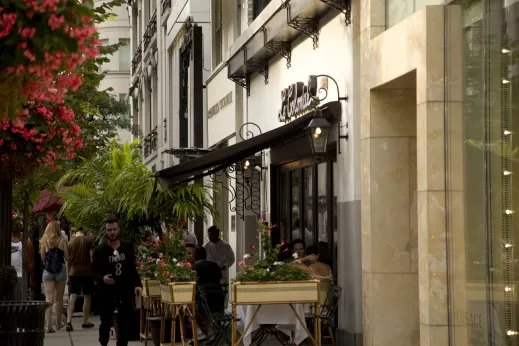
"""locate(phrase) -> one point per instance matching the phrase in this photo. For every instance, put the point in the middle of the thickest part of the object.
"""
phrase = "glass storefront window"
(322, 203)
(294, 190)
(306, 206)
(308, 200)
(482, 113)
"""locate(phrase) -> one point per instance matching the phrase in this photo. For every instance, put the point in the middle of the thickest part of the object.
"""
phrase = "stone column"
(398, 294)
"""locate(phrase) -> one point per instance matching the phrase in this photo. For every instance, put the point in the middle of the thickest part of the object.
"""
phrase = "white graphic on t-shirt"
(118, 270)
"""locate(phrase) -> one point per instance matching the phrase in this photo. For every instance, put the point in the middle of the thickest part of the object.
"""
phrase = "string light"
(508, 245)
(506, 132)
(509, 212)
(505, 81)
(505, 51)
(507, 173)
(511, 332)
(508, 289)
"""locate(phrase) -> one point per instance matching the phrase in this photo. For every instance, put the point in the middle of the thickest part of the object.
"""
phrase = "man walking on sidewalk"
(116, 274)
(80, 276)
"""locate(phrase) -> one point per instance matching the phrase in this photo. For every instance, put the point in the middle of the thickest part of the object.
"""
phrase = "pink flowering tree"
(45, 133)
(42, 42)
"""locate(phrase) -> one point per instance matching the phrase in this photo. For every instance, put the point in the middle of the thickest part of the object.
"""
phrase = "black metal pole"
(7, 272)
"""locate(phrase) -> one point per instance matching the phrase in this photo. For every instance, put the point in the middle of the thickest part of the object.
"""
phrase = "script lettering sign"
(296, 100)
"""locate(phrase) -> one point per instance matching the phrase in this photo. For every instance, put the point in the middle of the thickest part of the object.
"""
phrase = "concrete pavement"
(80, 336)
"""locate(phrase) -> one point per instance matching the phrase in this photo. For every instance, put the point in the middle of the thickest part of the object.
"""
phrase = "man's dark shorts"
(80, 284)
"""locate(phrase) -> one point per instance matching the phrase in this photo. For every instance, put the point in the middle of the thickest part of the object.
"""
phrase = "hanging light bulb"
(505, 51)
(506, 132)
(507, 173)
(509, 212)
(247, 164)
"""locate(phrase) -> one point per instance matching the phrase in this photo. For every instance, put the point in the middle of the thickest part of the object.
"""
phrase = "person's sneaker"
(69, 327)
(87, 325)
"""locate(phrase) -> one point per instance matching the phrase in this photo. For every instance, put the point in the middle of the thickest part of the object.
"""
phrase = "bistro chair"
(220, 321)
(327, 315)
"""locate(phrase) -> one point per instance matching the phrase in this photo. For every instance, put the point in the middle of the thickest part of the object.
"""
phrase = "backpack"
(54, 260)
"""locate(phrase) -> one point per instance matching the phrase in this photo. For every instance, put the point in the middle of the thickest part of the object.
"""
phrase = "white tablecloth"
(280, 314)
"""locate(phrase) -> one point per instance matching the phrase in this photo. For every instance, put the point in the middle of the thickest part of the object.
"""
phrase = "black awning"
(222, 158)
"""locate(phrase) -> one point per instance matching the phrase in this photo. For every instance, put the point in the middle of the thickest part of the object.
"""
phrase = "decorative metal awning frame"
(256, 60)
(244, 181)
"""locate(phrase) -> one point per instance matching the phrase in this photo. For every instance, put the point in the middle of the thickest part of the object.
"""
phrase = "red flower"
(163, 236)
(181, 223)
(186, 241)
(252, 246)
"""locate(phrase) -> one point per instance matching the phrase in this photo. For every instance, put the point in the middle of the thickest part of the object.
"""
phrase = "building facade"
(437, 108)
(411, 199)
(113, 31)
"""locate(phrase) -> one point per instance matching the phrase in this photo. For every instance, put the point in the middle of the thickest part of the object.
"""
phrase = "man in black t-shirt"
(115, 273)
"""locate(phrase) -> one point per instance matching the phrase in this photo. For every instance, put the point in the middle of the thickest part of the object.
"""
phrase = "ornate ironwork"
(257, 65)
(166, 5)
(306, 26)
(242, 81)
(283, 49)
(246, 192)
(248, 134)
(150, 142)
(137, 59)
(343, 6)
(151, 30)
(339, 98)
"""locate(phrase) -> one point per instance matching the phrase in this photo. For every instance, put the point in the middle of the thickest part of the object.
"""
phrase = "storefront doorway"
(304, 204)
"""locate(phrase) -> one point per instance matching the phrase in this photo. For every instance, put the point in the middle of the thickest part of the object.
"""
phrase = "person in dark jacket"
(209, 277)
(115, 273)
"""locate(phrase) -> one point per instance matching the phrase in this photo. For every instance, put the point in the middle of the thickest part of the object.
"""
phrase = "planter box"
(275, 292)
(151, 288)
(178, 292)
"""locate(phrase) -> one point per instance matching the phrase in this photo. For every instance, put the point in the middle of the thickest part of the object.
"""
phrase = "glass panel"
(481, 151)
(322, 208)
(105, 66)
(294, 204)
(125, 58)
(334, 225)
(397, 10)
(284, 217)
(308, 203)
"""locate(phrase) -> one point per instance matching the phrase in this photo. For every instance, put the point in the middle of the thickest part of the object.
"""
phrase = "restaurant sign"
(298, 98)
(216, 108)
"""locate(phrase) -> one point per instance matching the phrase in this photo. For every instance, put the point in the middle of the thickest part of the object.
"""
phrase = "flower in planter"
(264, 266)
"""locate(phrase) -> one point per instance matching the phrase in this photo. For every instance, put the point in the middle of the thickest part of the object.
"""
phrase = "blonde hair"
(52, 234)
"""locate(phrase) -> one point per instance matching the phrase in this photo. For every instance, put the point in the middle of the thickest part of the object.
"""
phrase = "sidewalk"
(80, 336)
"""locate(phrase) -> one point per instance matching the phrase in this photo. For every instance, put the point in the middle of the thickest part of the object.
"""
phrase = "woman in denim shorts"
(54, 282)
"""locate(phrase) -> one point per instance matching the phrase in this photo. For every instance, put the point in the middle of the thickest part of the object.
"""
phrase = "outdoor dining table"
(281, 315)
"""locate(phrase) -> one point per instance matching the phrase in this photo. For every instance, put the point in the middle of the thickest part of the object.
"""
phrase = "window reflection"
(308, 204)
(322, 208)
